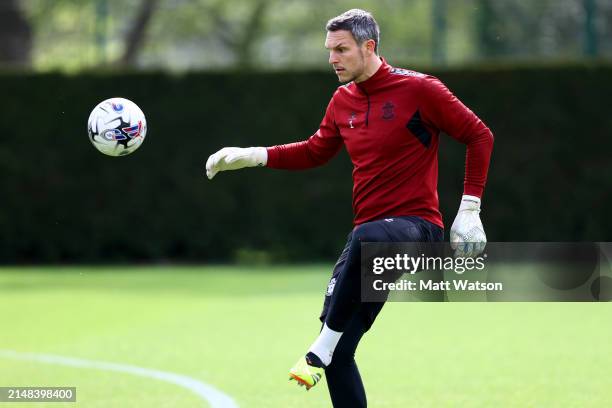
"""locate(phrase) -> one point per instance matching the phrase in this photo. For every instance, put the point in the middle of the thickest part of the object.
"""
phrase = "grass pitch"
(240, 329)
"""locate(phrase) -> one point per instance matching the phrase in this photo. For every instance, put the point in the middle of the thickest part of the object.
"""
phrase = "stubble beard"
(357, 74)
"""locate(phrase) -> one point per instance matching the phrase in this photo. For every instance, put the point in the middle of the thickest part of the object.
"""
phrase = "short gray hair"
(360, 23)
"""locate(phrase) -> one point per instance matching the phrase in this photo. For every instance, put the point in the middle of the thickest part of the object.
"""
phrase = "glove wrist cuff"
(470, 203)
(260, 156)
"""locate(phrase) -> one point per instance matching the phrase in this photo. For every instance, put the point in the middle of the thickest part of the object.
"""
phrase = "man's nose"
(333, 58)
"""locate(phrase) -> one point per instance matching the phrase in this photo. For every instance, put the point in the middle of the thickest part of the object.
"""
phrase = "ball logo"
(113, 134)
(133, 131)
(117, 107)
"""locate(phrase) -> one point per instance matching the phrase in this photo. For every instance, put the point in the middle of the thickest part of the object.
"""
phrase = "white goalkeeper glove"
(467, 235)
(234, 158)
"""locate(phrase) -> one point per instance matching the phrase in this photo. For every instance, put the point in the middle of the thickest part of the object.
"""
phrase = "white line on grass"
(215, 398)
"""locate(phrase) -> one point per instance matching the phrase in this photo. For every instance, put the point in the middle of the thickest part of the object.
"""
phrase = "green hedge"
(61, 201)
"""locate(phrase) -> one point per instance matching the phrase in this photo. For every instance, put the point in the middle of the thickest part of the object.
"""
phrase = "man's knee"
(369, 232)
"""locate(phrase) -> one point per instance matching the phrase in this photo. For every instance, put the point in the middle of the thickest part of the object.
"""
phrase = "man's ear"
(370, 46)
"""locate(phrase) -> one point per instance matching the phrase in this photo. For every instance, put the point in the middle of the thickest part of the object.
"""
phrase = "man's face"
(345, 56)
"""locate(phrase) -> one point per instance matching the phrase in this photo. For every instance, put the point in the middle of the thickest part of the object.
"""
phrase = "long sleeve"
(445, 112)
(313, 152)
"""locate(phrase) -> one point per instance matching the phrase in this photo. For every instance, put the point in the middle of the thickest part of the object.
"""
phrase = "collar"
(374, 82)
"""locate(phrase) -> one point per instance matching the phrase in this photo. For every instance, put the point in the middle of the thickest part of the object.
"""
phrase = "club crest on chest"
(387, 109)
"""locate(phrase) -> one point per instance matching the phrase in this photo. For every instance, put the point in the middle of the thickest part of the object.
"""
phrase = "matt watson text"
(459, 285)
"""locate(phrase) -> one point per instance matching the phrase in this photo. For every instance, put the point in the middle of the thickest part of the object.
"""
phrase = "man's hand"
(234, 158)
(467, 235)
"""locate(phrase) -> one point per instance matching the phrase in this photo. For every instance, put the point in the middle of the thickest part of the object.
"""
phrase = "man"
(389, 119)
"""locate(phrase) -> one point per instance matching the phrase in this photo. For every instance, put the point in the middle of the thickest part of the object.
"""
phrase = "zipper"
(368, 111)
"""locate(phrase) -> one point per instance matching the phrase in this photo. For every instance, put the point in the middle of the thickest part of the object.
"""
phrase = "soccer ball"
(117, 127)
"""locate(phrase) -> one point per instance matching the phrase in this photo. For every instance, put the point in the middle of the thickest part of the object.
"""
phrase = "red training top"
(390, 125)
